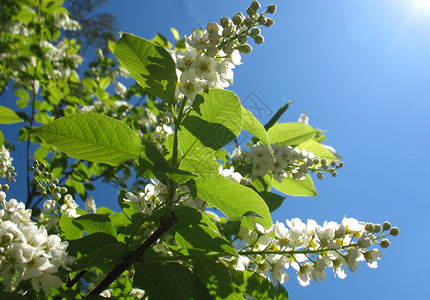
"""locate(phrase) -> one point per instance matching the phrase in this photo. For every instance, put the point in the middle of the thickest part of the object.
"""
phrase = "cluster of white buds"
(58, 202)
(213, 53)
(310, 248)
(6, 168)
(27, 252)
(286, 162)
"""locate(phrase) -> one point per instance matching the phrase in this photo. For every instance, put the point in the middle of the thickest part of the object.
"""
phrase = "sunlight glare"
(421, 7)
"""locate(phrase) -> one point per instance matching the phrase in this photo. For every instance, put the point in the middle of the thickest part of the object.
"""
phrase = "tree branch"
(165, 225)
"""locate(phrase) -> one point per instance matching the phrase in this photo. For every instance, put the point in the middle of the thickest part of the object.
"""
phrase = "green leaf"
(290, 133)
(92, 137)
(93, 223)
(22, 94)
(203, 234)
(152, 163)
(8, 116)
(272, 200)
(150, 64)
(233, 199)
(216, 119)
(222, 155)
(253, 126)
(90, 243)
(217, 278)
(105, 256)
(175, 33)
(161, 40)
(317, 149)
(296, 187)
(166, 281)
(1, 138)
(69, 230)
(257, 286)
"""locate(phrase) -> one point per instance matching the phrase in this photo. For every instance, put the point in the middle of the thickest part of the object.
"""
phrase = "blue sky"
(361, 70)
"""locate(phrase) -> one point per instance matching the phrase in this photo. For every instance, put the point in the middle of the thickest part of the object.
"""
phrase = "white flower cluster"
(90, 205)
(135, 293)
(310, 248)
(202, 65)
(233, 176)
(146, 201)
(63, 21)
(286, 162)
(64, 63)
(27, 252)
(211, 54)
(6, 168)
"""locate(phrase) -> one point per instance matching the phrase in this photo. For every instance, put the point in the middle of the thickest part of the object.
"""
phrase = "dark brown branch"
(165, 225)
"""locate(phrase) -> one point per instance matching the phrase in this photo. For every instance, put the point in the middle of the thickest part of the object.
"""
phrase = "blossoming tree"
(196, 220)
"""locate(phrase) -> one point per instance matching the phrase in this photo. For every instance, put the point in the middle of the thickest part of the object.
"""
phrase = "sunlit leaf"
(92, 137)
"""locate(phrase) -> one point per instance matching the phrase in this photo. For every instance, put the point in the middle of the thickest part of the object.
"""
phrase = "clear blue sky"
(361, 70)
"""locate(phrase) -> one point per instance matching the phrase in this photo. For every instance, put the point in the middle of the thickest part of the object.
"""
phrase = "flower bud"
(56, 181)
(42, 166)
(394, 231)
(386, 226)
(57, 196)
(385, 243)
(255, 31)
(262, 20)
(369, 227)
(214, 37)
(39, 186)
(238, 18)
(251, 11)
(340, 165)
(52, 186)
(324, 161)
(63, 190)
(269, 22)
(378, 228)
(228, 49)
(334, 173)
(255, 5)
(333, 163)
(37, 173)
(246, 49)
(211, 52)
(259, 39)
(212, 27)
(320, 175)
(271, 8)
(43, 193)
(249, 22)
(228, 32)
(45, 174)
(226, 22)
(242, 39)
(5, 187)
(36, 163)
